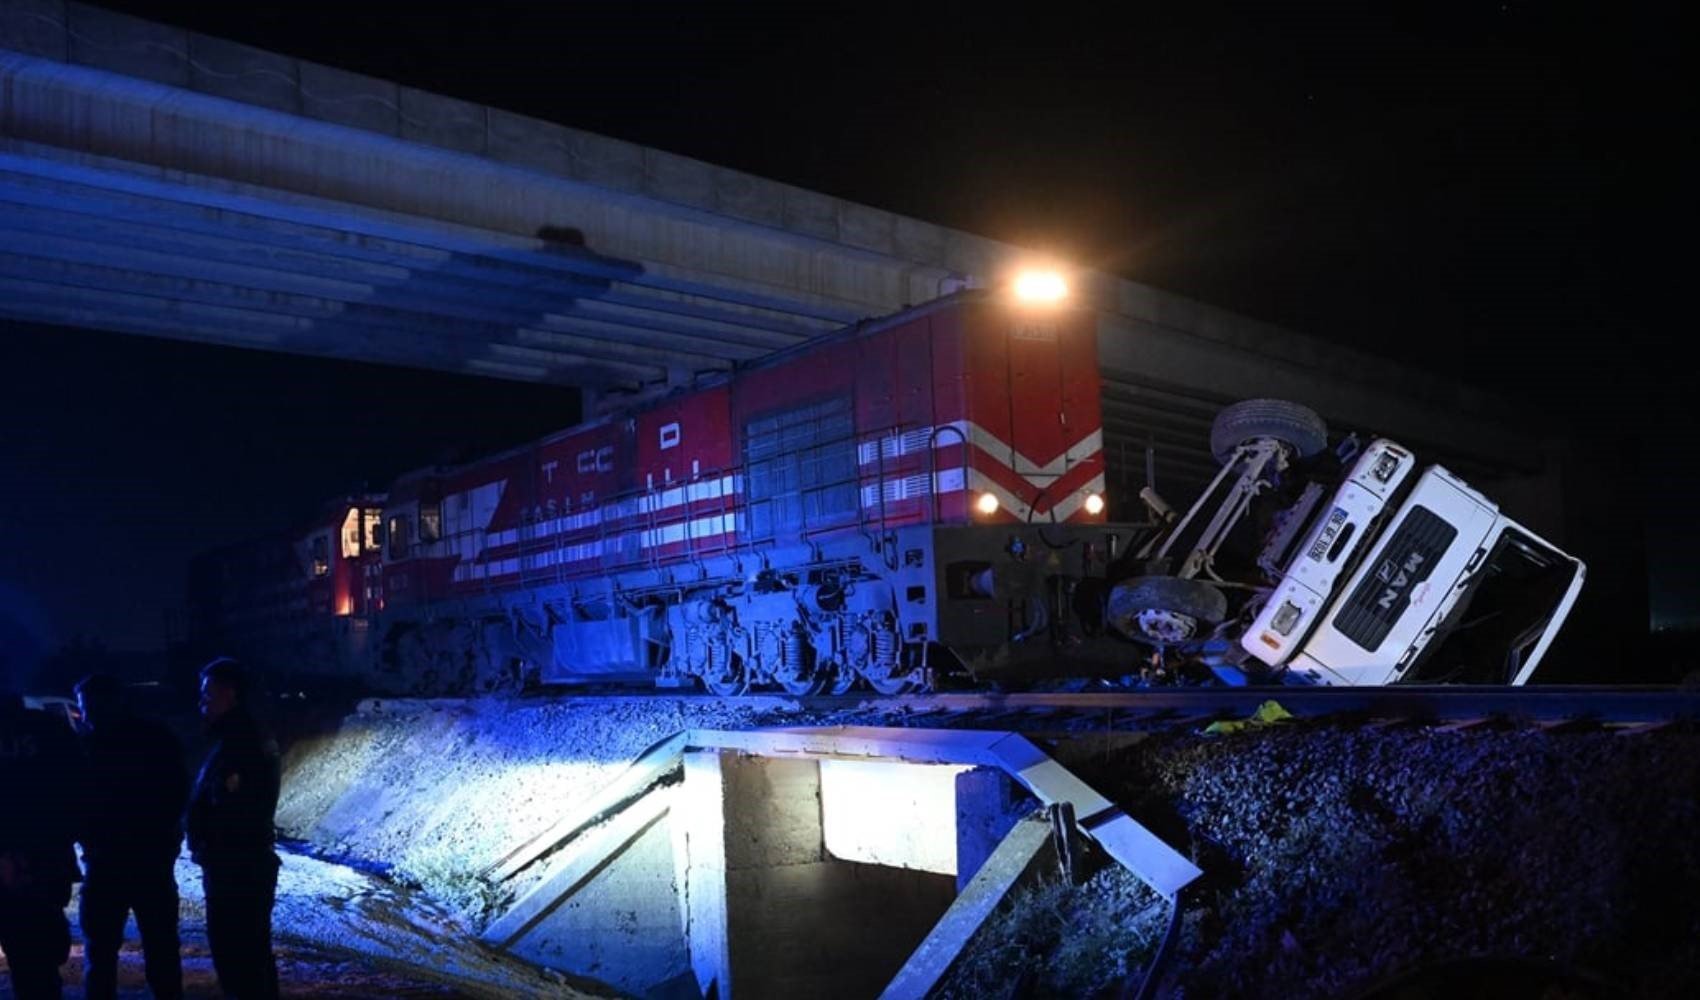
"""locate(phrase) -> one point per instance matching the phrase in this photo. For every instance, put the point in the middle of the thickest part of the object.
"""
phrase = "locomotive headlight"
(1040, 287)
(1094, 504)
(985, 503)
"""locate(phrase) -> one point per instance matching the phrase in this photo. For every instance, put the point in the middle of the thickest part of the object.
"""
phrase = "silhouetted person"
(40, 769)
(132, 830)
(230, 834)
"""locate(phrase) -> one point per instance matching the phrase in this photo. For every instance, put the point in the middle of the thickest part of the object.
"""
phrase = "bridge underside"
(102, 244)
(155, 181)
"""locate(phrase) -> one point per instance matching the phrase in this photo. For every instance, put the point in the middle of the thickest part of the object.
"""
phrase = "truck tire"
(1174, 594)
(1292, 424)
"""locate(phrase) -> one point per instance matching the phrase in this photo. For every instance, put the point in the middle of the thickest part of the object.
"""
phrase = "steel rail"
(1544, 703)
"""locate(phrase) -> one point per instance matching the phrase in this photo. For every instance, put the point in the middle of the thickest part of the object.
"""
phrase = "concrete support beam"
(700, 845)
(988, 805)
(1014, 861)
(573, 869)
(643, 773)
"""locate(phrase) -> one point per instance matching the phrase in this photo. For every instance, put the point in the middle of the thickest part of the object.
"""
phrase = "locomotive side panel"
(793, 428)
(575, 478)
(896, 418)
(541, 513)
(689, 486)
(478, 548)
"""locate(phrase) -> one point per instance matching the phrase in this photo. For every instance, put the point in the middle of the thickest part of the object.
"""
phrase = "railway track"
(1453, 706)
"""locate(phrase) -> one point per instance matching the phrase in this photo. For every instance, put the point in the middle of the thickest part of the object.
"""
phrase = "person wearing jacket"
(231, 836)
(132, 829)
(40, 775)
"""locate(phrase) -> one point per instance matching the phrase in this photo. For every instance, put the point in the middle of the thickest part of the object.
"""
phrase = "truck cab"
(1388, 572)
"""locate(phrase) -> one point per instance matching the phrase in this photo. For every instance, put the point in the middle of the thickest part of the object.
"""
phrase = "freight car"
(908, 499)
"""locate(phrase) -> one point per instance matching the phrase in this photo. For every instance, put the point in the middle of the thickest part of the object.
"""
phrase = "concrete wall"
(988, 805)
(796, 921)
(892, 814)
(623, 926)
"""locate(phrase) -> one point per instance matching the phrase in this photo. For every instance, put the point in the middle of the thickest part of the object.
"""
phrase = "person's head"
(224, 686)
(99, 697)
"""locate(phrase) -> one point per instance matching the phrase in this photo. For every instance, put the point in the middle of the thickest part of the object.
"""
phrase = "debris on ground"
(1267, 713)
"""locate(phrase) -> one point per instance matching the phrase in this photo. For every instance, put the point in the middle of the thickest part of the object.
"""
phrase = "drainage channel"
(836, 862)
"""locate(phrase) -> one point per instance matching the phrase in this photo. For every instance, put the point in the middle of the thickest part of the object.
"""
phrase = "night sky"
(1488, 190)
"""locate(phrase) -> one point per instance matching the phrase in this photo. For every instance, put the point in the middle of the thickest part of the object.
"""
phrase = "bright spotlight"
(985, 503)
(1040, 287)
(1094, 504)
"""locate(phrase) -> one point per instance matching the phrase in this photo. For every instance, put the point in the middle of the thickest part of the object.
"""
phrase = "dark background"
(1488, 190)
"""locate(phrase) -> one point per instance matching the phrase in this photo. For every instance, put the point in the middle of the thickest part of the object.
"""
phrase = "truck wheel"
(1164, 609)
(1291, 424)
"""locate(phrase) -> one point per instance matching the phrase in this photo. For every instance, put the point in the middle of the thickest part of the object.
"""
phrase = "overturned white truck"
(1354, 565)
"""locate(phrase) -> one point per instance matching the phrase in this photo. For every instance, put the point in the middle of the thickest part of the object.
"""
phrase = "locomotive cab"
(339, 558)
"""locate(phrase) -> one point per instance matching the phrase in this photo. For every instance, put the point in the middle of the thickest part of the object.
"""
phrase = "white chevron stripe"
(892, 446)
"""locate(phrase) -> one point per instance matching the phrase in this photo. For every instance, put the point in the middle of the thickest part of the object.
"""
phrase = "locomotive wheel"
(842, 679)
(802, 683)
(733, 680)
(892, 683)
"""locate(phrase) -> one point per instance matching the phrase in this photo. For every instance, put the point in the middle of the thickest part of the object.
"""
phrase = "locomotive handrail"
(932, 463)
(640, 510)
(889, 434)
(876, 543)
(648, 551)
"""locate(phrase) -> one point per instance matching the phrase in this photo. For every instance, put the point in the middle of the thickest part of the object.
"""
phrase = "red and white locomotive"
(906, 495)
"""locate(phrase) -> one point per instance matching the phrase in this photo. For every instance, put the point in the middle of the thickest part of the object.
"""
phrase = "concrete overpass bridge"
(160, 182)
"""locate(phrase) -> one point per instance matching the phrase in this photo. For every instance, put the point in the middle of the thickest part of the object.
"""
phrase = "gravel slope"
(1338, 859)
